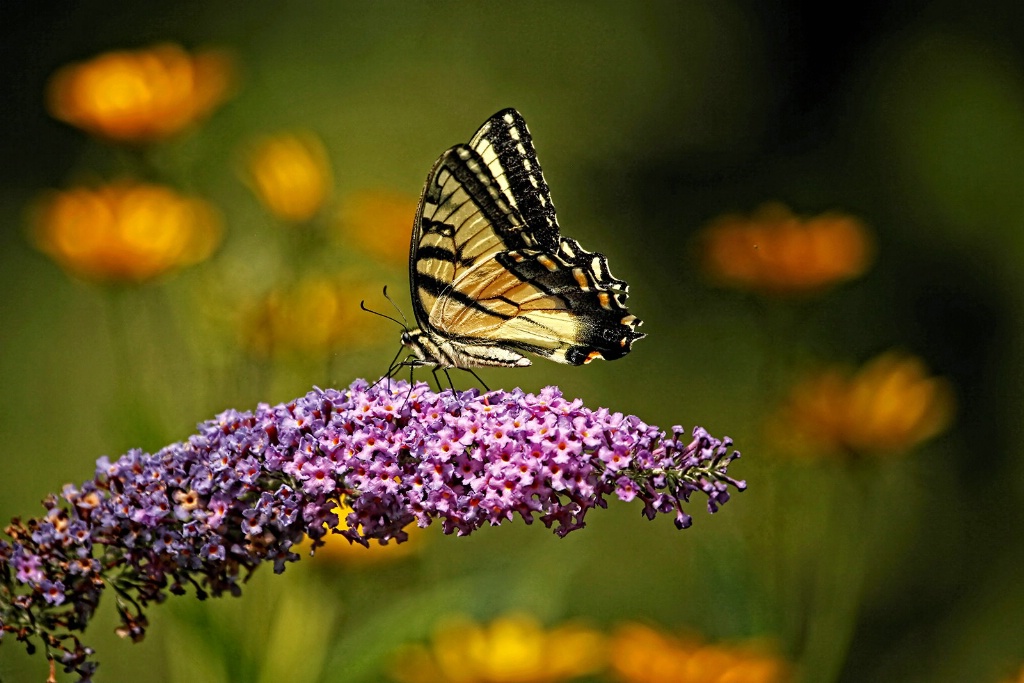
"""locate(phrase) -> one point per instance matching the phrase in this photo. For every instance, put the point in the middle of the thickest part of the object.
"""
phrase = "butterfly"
(491, 275)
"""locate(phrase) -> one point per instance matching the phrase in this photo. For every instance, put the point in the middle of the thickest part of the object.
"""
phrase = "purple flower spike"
(249, 487)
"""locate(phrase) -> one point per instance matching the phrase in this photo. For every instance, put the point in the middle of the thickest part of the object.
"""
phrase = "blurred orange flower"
(142, 95)
(315, 316)
(773, 251)
(380, 223)
(1018, 678)
(640, 654)
(125, 232)
(290, 174)
(890, 404)
(337, 549)
(512, 649)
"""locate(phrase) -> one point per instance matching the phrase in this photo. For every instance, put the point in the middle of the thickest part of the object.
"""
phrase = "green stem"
(838, 578)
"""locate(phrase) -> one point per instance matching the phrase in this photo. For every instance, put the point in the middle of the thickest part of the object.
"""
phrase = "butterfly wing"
(462, 220)
(488, 267)
(506, 147)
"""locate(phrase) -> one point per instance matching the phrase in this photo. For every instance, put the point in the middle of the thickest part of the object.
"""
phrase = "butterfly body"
(491, 276)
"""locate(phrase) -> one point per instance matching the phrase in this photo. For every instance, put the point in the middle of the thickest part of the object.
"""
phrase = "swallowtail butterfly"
(491, 275)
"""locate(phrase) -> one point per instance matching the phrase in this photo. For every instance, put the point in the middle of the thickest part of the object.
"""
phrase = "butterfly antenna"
(406, 325)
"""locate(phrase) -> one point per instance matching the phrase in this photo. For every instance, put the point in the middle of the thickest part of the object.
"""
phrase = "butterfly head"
(420, 345)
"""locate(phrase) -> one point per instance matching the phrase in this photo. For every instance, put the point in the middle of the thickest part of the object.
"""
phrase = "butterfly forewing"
(462, 219)
(506, 146)
(489, 271)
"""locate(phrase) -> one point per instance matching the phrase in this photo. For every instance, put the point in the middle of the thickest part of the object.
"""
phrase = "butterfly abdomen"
(431, 349)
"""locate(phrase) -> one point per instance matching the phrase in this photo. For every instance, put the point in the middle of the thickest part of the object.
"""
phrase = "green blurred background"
(651, 119)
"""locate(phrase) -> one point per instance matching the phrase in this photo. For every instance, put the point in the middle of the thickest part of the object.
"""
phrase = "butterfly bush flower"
(248, 487)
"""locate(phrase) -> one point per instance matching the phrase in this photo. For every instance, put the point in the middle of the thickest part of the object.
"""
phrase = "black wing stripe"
(429, 252)
(459, 234)
(460, 196)
(438, 288)
(479, 184)
(556, 275)
(449, 202)
(509, 137)
(474, 186)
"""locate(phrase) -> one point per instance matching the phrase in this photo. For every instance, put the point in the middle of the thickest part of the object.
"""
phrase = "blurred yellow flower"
(380, 223)
(142, 95)
(512, 649)
(639, 654)
(125, 232)
(338, 549)
(315, 316)
(773, 251)
(890, 404)
(290, 174)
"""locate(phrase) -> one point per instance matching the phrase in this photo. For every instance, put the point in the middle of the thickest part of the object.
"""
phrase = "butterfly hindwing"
(489, 271)
(574, 300)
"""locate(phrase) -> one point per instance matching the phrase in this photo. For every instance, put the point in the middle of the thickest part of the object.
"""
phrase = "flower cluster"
(250, 486)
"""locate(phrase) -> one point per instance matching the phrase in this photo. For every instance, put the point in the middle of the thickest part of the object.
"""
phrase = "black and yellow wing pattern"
(492, 277)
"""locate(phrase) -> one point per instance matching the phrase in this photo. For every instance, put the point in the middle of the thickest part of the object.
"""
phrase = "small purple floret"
(249, 487)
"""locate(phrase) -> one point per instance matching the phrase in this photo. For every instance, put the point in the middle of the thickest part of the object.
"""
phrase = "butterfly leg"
(412, 366)
(392, 369)
(482, 383)
(437, 380)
